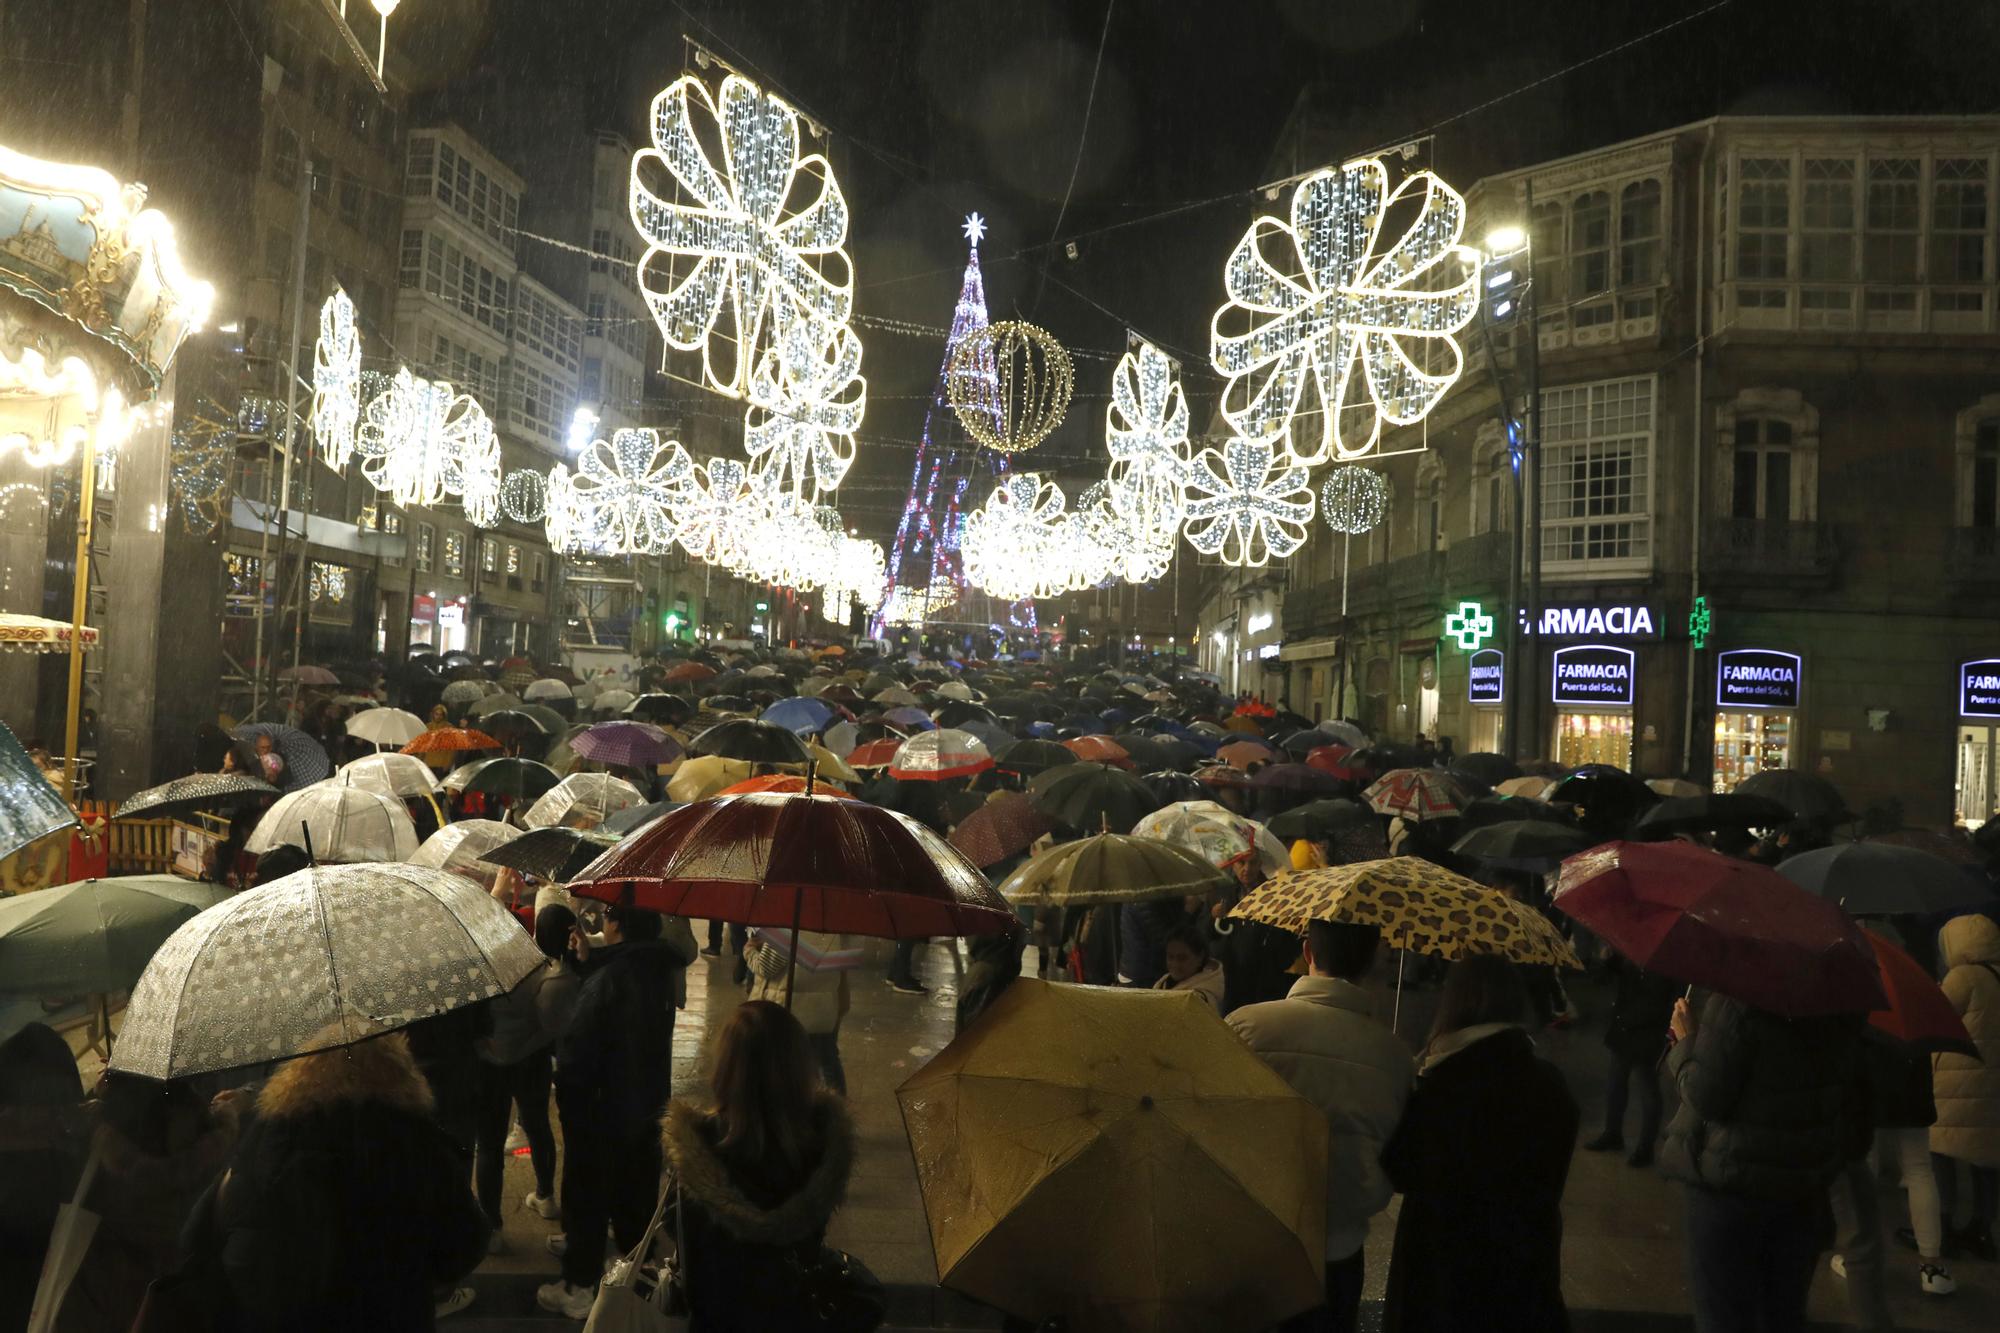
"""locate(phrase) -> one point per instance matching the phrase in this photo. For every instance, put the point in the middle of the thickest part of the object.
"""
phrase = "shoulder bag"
(638, 1296)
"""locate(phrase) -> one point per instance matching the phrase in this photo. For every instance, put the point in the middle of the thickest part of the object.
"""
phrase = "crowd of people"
(358, 1187)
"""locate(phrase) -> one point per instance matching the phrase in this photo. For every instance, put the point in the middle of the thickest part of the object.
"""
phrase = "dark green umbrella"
(1533, 845)
(1112, 868)
(1029, 758)
(555, 854)
(95, 935)
(1084, 797)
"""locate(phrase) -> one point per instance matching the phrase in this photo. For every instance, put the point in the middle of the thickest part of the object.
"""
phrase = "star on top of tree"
(975, 228)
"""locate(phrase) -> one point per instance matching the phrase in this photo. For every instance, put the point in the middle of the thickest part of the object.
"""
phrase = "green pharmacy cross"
(1470, 625)
(1700, 622)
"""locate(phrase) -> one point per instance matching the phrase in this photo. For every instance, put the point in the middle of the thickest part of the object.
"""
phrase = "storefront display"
(1757, 694)
(1592, 686)
(1978, 797)
(1486, 690)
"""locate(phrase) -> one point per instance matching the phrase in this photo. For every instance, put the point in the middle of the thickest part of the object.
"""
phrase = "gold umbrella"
(1419, 906)
(1121, 1159)
(705, 775)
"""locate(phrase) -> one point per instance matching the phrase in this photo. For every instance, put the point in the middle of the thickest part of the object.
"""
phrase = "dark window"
(1986, 476)
(1763, 478)
(285, 157)
(350, 199)
(277, 253)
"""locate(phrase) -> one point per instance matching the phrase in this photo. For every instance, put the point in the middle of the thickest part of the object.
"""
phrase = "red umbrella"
(1098, 750)
(812, 862)
(1242, 754)
(688, 671)
(1006, 825)
(1329, 758)
(785, 782)
(1919, 1012)
(875, 754)
(1416, 794)
(1732, 926)
(450, 739)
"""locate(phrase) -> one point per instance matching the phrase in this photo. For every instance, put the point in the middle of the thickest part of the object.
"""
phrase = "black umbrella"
(1805, 795)
(512, 725)
(1168, 787)
(1029, 758)
(664, 710)
(1153, 722)
(555, 854)
(1320, 821)
(197, 791)
(1708, 811)
(1876, 879)
(1300, 778)
(1092, 797)
(1485, 770)
(1484, 810)
(728, 703)
(1533, 845)
(1152, 753)
(505, 776)
(957, 712)
(936, 805)
(753, 742)
(1611, 798)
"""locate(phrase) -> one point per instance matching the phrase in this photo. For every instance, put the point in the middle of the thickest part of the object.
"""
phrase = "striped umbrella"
(1417, 794)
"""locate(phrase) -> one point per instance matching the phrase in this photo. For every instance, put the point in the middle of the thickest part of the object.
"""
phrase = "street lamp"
(385, 8)
(1510, 295)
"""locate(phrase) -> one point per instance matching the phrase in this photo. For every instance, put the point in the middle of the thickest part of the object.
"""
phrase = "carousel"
(94, 304)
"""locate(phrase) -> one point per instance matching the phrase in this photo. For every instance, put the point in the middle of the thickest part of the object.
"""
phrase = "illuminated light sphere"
(633, 485)
(1246, 505)
(1354, 499)
(807, 398)
(415, 438)
(1028, 394)
(524, 496)
(1342, 317)
(748, 236)
(336, 400)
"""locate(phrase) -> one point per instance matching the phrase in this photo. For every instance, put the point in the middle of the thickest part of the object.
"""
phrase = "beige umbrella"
(705, 775)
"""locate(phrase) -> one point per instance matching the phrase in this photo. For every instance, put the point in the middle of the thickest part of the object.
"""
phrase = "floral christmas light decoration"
(632, 487)
(805, 406)
(1245, 504)
(421, 439)
(336, 400)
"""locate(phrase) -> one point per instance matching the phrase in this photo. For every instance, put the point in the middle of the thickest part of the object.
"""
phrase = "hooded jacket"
(1768, 1104)
(1968, 1090)
(1206, 982)
(614, 1063)
(746, 1227)
(346, 1204)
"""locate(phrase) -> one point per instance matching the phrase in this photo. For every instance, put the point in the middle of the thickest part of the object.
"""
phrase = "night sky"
(938, 109)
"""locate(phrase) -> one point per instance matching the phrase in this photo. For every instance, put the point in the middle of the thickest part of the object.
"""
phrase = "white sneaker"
(452, 1304)
(1839, 1266)
(1935, 1281)
(561, 1298)
(543, 1206)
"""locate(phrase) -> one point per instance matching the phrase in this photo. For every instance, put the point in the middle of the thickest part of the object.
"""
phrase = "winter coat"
(614, 1064)
(819, 999)
(1480, 1158)
(1641, 1007)
(1142, 939)
(345, 1206)
(1256, 961)
(1968, 1090)
(43, 1135)
(519, 1022)
(1767, 1103)
(746, 1225)
(1324, 1040)
(1207, 983)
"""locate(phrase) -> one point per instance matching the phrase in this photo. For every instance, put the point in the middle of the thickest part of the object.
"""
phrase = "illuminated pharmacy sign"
(1469, 626)
(1576, 622)
(1979, 688)
(1486, 675)
(1757, 678)
(1594, 674)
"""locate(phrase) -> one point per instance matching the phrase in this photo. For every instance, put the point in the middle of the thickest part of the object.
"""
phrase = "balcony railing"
(1769, 549)
(1479, 560)
(1975, 556)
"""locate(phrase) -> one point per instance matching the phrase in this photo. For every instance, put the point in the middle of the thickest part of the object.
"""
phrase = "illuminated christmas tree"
(926, 572)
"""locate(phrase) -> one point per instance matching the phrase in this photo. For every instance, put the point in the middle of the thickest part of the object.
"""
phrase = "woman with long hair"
(759, 1174)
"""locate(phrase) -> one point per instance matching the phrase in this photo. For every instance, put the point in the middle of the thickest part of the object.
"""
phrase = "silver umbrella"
(461, 693)
(322, 958)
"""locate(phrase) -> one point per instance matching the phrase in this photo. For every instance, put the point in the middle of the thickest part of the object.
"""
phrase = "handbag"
(635, 1298)
(839, 1293)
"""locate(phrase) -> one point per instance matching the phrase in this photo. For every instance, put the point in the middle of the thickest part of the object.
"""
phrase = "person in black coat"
(1481, 1157)
(345, 1204)
(1636, 1037)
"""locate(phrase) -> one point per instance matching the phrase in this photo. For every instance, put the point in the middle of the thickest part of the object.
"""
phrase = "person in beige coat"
(819, 996)
(1967, 1128)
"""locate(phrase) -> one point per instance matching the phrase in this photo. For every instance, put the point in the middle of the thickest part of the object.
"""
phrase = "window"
(1590, 245)
(1763, 215)
(1986, 475)
(374, 305)
(426, 547)
(1889, 248)
(1639, 234)
(600, 246)
(322, 179)
(382, 215)
(1762, 479)
(590, 382)
(277, 253)
(360, 109)
(417, 166)
(350, 199)
(411, 271)
(489, 556)
(325, 87)
(1546, 245)
(1597, 472)
(540, 580)
(285, 157)
(454, 553)
(593, 315)
(1430, 505)
(1958, 220)
(1826, 245)
(513, 559)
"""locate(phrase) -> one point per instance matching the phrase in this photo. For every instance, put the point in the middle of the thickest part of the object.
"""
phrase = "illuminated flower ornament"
(747, 243)
(415, 436)
(475, 472)
(805, 406)
(633, 484)
(1333, 327)
(718, 513)
(1245, 505)
(336, 401)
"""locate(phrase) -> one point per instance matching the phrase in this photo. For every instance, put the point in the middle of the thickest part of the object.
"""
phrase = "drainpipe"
(1700, 448)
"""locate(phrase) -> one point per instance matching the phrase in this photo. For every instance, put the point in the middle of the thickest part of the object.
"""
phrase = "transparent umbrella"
(337, 824)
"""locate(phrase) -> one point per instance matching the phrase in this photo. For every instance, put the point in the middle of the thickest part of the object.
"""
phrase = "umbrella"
(1416, 795)
(305, 758)
(515, 726)
(1113, 868)
(1152, 754)
(1027, 758)
(1171, 785)
(462, 694)
(875, 754)
(1724, 924)
(801, 715)
(1218, 836)
(956, 689)
(990, 734)
(809, 862)
(624, 821)
(829, 766)
(638, 745)
(1243, 753)
(1484, 810)
(715, 705)
(665, 710)
(958, 712)
(498, 702)
(1874, 879)
(935, 755)
(551, 688)
(912, 719)
(392, 774)
(1485, 770)
(505, 776)
(308, 675)
(1530, 788)
(95, 935)
(612, 701)
(581, 800)
(1297, 778)
(1804, 794)
(197, 791)
(553, 723)
(1091, 797)
(337, 824)
(1302, 743)
(1671, 787)
(553, 854)
(1099, 750)
(458, 847)
(895, 696)
(1419, 906)
(1709, 810)
(361, 950)
(1005, 826)
(450, 740)
(1085, 1099)
(1918, 1011)
(705, 775)
(785, 782)
(932, 804)
(1536, 846)
(1954, 846)
(385, 726)
(1321, 821)
(756, 742)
